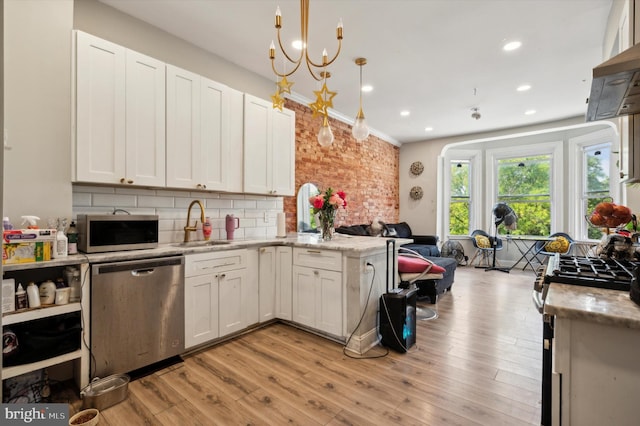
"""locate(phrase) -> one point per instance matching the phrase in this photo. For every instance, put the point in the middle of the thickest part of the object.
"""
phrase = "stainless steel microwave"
(115, 232)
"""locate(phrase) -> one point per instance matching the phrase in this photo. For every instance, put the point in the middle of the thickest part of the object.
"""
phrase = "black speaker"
(398, 318)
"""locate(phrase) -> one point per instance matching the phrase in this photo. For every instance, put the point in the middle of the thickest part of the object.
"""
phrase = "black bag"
(46, 338)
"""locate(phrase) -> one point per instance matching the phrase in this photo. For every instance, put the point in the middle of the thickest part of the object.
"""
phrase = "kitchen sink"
(201, 243)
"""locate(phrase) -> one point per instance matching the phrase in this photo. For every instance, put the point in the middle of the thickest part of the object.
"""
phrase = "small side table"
(526, 245)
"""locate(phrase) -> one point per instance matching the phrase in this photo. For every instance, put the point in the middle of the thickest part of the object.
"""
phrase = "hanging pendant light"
(360, 130)
(325, 135)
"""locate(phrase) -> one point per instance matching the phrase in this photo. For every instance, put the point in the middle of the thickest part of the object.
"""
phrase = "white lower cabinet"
(275, 283)
(201, 310)
(230, 307)
(595, 373)
(318, 290)
(216, 292)
(284, 282)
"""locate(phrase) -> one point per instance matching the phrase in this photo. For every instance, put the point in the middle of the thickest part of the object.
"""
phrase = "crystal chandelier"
(324, 97)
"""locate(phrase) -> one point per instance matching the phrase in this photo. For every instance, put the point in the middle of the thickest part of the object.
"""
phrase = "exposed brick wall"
(367, 171)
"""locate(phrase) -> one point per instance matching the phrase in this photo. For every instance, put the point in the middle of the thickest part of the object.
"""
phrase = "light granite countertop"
(602, 306)
(355, 245)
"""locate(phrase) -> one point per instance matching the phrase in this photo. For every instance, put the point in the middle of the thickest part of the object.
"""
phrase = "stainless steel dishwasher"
(137, 313)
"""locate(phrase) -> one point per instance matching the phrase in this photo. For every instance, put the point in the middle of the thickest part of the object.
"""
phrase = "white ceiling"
(436, 58)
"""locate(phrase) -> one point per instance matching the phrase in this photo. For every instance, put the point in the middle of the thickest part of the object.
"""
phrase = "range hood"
(615, 90)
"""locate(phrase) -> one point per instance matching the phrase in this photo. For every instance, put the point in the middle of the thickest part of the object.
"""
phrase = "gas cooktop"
(591, 272)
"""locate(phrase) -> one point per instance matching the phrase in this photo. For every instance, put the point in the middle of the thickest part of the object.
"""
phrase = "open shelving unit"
(37, 272)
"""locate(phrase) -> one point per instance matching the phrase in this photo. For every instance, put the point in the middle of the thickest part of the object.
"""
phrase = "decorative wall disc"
(417, 168)
(416, 193)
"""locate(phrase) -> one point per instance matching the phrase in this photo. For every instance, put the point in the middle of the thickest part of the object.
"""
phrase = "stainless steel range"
(614, 274)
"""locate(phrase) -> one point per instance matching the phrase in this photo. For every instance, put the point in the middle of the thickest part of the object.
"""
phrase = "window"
(524, 183)
(596, 183)
(460, 199)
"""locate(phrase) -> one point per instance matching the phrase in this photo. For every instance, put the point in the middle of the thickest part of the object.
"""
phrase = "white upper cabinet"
(183, 129)
(203, 133)
(120, 119)
(269, 148)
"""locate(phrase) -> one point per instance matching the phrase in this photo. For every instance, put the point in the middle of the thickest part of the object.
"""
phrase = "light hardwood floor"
(478, 363)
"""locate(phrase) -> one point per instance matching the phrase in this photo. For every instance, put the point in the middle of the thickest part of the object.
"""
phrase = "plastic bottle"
(30, 221)
(47, 292)
(60, 248)
(6, 224)
(75, 293)
(72, 237)
(33, 295)
(21, 298)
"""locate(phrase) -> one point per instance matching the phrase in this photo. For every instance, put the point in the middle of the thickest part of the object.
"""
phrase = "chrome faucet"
(193, 228)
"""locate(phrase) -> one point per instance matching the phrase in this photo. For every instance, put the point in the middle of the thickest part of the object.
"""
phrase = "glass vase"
(326, 224)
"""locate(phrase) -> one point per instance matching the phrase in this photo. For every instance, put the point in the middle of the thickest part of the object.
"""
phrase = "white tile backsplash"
(171, 207)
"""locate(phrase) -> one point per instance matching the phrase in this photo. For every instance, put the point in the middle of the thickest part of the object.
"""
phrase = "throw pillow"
(559, 245)
(482, 241)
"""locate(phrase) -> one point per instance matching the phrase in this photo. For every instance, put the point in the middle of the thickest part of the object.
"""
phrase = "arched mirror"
(306, 221)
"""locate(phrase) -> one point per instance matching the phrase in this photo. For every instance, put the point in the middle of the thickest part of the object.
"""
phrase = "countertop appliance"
(611, 274)
(116, 232)
(137, 313)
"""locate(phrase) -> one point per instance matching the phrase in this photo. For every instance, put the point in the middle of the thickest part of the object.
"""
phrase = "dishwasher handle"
(142, 272)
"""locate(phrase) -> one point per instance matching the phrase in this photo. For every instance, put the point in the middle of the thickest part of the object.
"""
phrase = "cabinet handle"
(314, 251)
(316, 272)
(223, 275)
(123, 180)
(201, 186)
(622, 175)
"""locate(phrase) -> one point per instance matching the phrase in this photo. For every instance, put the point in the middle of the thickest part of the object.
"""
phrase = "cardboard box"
(27, 245)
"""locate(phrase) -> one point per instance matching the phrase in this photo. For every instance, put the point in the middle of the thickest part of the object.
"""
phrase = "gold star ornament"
(277, 100)
(284, 85)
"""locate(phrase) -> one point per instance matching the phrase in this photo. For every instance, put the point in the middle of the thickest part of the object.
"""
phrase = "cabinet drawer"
(322, 259)
(207, 263)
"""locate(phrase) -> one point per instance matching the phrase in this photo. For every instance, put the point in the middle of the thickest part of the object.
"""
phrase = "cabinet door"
(145, 120)
(214, 135)
(183, 128)
(258, 149)
(304, 294)
(284, 276)
(283, 152)
(268, 279)
(329, 302)
(100, 110)
(201, 309)
(235, 171)
(231, 301)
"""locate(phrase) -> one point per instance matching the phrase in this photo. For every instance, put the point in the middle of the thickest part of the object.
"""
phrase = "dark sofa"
(426, 245)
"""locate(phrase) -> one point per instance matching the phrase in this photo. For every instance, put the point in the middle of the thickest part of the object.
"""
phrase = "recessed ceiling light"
(367, 88)
(512, 45)
(405, 113)
(297, 44)
(523, 87)
(428, 129)
(530, 112)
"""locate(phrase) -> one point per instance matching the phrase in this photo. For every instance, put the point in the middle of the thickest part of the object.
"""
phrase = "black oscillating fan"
(454, 250)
